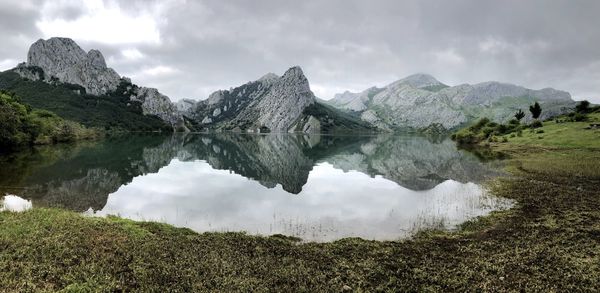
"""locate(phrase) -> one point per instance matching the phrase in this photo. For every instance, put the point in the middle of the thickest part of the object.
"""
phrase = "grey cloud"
(354, 44)
(17, 28)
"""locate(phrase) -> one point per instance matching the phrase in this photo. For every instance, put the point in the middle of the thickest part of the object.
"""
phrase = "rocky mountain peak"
(420, 80)
(96, 59)
(55, 49)
(63, 59)
(271, 103)
(269, 77)
(294, 73)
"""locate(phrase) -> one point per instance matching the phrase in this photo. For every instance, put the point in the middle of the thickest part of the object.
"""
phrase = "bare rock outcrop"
(271, 103)
(63, 59)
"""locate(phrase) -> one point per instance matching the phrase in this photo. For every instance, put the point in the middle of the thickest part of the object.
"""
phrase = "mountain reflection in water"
(316, 187)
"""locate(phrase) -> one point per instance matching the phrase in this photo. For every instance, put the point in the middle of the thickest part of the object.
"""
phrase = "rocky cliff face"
(271, 103)
(420, 101)
(184, 106)
(62, 60)
(155, 103)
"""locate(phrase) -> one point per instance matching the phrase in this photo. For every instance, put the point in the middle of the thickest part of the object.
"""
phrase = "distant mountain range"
(420, 101)
(61, 77)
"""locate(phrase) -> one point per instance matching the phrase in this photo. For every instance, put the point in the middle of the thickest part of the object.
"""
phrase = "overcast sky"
(188, 49)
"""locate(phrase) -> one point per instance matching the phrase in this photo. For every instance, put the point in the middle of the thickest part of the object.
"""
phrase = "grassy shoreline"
(550, 241)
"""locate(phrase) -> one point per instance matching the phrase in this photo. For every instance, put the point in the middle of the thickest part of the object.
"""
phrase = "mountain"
(270, 104)
(61, 63)
(420, 101)
(63, 59)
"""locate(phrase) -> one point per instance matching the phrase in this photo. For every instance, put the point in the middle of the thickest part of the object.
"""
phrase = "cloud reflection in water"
(333, 204)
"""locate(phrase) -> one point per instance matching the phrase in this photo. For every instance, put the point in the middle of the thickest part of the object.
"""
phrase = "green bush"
(536, 124)
(21, 125)
(484, 129)
(583, 107)
(578, 117)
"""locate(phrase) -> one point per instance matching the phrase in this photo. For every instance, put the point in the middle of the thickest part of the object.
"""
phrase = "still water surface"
(319, 188)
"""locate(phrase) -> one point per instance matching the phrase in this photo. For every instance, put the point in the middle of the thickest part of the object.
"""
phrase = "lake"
(318, 188)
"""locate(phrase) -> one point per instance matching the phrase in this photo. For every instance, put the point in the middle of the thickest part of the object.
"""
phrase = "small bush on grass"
(536, 124)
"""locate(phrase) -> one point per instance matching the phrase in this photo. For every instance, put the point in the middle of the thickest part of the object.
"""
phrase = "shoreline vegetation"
(24, 126)
(549, 240)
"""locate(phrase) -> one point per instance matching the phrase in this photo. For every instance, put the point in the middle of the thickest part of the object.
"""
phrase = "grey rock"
(29, 72)
(63, 59)
(185, 105)
(420, 101)
(155, 103)
(313, 125)
(273, 103)
(206, 120)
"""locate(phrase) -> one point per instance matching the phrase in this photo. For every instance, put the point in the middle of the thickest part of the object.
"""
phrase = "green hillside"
(110, 112)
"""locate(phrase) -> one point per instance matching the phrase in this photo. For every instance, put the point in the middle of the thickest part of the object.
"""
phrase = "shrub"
(536, 124)
(580, 117)
(484, 129)
(487, 131)
(583, 107)
(502, 129)
(481, 123)
(514, 122)
(519, 115)
(465, 137)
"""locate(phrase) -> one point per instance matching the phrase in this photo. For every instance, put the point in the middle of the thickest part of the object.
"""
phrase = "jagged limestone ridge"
(271, 103)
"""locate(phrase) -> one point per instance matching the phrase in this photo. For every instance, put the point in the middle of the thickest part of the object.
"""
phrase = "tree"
(536, 110)
(582, 107)
(519, 115)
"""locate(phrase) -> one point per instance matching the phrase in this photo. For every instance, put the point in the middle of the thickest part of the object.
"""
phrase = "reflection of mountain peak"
(269, 159)
(88, 174)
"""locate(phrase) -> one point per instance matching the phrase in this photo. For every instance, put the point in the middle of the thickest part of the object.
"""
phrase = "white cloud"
(491, 45)
(132, 54)
(100, 22)
(8, 64)
(160, 70)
